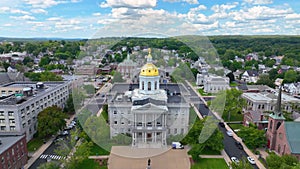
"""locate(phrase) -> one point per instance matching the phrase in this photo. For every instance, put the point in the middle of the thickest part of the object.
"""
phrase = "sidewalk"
(41, 150)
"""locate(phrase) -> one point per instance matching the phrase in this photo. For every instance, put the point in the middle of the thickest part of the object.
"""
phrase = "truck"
(177, 145)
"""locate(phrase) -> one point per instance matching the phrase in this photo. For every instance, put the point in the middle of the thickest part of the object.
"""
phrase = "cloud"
(7, 25)
(96, 14)
(39, 11)
(187, 1)
(260, 13)
(24, 17)
(258, 2)
(54, 19)
(129, 4)
(223, 7)
(293, 16)
(13, 11)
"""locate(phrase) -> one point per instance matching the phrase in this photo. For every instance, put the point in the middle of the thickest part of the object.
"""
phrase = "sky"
(107, 18)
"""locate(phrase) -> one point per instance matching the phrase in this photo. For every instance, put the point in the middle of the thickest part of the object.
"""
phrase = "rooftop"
(8, 141)
(292, 134)
(12, 99)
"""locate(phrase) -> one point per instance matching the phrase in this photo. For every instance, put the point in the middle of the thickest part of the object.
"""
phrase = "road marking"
(52, 156)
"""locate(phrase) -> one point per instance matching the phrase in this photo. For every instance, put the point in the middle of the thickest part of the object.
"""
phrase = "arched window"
(143, 85)
(149, 85)
(279, 148)
(278, 125)
(155, 85)
(271, 124)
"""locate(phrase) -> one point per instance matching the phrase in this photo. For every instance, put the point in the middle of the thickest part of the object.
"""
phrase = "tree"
(290, 76)
(49, 165)
(27, 60)
(69, 108)
(44, 61)
(231, 77)
(252, 137)
(284, 162)
(264, 79)
(50, 121)
(117, 77)
(229, 104)
(274, 161)
(89, 89)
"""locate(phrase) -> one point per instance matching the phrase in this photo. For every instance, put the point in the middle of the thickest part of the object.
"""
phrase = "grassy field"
(210, 163)
(34, 144)
(96, 150)
(201, 91)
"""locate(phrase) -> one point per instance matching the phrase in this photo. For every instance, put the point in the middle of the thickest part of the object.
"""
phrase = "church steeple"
(277, 114)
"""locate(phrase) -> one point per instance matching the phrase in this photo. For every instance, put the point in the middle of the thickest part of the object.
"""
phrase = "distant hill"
(37, 39)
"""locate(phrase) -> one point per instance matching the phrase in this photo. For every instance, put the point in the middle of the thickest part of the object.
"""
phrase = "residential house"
(250, 76)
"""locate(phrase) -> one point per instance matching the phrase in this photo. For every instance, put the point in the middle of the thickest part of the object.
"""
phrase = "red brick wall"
(15, 156)
(282, 146)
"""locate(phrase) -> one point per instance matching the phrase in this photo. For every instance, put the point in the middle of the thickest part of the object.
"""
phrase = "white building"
(212, 83)
(250, 76)
(127, 68)
(266, 101)
(147, 112)
(20, 104)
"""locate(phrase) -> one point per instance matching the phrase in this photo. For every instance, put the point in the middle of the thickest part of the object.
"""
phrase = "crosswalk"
(52, 156)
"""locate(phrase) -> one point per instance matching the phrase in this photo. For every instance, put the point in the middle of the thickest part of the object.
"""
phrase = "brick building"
(283, 137)
(13, 152)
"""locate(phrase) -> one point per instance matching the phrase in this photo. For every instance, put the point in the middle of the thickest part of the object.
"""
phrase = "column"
(155, 136)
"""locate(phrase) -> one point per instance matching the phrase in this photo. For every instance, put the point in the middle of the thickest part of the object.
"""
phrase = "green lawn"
(96, 150)
(90, 164)
(34, 144)
(207, 151)
(235, 126)
(233, 84)
(233, 117)
(210, 163)
(201, 91)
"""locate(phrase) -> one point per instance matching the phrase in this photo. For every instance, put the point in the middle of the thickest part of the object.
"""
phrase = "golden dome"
(149, 69)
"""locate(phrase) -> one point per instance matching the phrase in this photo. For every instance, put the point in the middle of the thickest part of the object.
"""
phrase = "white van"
(177, 145)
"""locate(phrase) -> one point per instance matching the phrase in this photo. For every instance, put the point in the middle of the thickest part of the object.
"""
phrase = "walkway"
(41, 150)
(126, 157)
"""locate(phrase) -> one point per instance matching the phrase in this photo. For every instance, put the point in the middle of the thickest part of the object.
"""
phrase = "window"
(182, 130)
(12, 128)
(10, 113)
(149, 85)
(116, 122)
(149, 124)
(115, 112)
(2, 128)
(143, 85)
(2, 120)
(175, 131)
(2, 160)
(12, 121)
(1, 113)
(155, 85)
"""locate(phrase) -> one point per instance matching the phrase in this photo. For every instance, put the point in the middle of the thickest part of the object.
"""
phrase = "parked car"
(235, 160)
(221, 124)
(239, 145)
(229, 133)
(251, 160)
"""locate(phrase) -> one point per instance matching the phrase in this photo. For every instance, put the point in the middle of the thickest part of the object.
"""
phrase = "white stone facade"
(19, 118)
